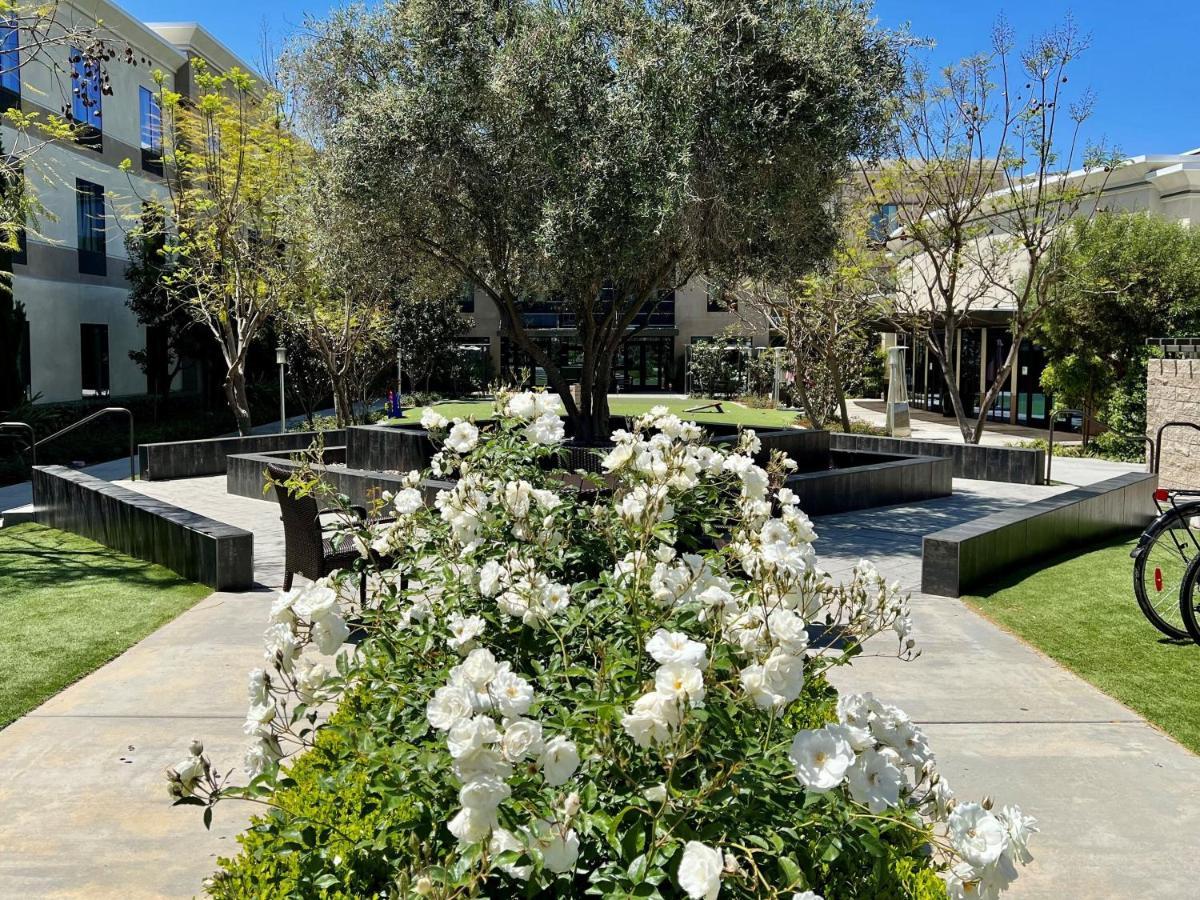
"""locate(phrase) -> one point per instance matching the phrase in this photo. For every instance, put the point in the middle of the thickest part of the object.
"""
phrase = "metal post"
(281, 358)
(399, 380)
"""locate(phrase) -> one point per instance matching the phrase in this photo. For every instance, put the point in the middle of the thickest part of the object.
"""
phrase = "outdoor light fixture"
(281, 359)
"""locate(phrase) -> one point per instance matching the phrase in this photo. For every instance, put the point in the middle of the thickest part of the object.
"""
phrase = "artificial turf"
(733, 413)
(1081, 611)
(68, 605)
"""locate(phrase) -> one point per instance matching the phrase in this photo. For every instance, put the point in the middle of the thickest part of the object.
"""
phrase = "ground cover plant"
(611, 690)
(1080, 611)
(69, 605)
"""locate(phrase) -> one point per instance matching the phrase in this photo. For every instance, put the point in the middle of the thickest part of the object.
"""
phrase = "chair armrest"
(359, 511)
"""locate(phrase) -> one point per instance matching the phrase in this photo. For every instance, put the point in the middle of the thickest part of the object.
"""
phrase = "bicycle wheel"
(1189, 597)
(1160, 563)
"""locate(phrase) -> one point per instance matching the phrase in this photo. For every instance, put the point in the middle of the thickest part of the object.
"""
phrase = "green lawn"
(69, 605)
(735, 413)
(1082, 612)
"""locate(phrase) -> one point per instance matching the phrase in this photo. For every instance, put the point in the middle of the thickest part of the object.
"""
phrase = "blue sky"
(1142, 64)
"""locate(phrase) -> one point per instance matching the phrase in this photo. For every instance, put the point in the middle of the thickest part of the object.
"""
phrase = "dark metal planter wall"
(192, 459)
(200, 549)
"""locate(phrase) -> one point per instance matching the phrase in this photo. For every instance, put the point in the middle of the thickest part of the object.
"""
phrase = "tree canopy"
(595, 153)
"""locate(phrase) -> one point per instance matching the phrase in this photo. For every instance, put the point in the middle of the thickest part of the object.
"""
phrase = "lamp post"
(399, 411)
(281, 359)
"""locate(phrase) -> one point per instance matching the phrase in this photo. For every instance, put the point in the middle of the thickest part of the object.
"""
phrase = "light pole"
(281, 358)
(399, 411)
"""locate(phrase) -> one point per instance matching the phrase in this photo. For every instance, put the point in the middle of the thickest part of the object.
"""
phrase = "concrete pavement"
(1116, 799)
(84, 811)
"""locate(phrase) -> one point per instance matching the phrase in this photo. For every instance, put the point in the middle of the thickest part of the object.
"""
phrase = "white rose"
(472, 826)
(511, 694)
(432, 420)
(281, 609)
(700, 871)
(281, 646)
(258, 687)
(468, 735)
(504, 841)
(408, 501)
(483, 794)
(875, 781)
(522, 406)
(464, 630)
(821, 757)
(1020, 829)
(546, 430)
(489, 578)
(559, 761)
(316, 601)
(977, 835)
(462, 437)
(522, 739)
(449, 705)
(560, 852)
(329, 633)
(479, 667)
(675, 647)
(681, 681)
(310, 680)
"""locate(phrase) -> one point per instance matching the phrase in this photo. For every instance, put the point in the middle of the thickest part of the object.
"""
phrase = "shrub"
(617, 692)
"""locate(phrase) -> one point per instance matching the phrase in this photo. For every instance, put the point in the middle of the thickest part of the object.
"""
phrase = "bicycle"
(1164, 557)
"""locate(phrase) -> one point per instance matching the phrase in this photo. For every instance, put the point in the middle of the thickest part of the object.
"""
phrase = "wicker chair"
(309, 551)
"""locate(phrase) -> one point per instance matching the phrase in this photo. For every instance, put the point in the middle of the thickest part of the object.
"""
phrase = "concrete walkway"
(84, 811)
(1117, 800)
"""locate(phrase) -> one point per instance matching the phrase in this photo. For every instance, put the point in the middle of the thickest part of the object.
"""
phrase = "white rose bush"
(608, 684)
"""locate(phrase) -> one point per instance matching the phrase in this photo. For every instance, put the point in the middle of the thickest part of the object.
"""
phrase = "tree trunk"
(950, 378)
(239, 402)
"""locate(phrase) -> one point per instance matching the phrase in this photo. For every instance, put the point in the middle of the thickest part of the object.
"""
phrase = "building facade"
(1166, 186)
(70, 273)
(653, 359)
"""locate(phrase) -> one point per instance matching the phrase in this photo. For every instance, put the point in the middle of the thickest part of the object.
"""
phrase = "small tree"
(1119, 279)
(234, 169)
(981, 176)
(429, 327)
(826, 317)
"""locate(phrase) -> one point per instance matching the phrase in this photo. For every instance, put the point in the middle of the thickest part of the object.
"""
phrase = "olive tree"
(595, 154)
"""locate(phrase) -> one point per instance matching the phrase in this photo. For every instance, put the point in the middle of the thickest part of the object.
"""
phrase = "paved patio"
(83, 809)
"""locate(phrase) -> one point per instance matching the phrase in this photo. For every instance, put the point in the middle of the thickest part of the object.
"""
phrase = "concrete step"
(16, 516)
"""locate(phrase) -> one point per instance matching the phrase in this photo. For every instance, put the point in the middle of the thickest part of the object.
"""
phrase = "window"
(86, 99)
(93, 360)
(884, 222)
(152, 131)
(466, 300)
(10, 65)
(717, 301)
(89, 208)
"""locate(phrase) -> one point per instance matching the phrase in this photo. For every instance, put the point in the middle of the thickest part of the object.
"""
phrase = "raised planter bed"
(193, 459)
(1012, 464)
(198, 548)
(955, 560)
(859, 480)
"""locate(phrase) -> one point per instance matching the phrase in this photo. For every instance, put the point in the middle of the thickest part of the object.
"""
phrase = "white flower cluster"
(310, 616)
(482, 709)
(540, 411)
(678, 685)
(702, 867)
(868, 751)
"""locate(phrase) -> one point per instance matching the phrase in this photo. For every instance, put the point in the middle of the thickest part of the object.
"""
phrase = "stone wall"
(1173, 395)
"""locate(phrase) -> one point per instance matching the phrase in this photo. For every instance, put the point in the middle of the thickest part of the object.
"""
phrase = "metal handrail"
(1151, 458)
(32, 436)
(1158, 441)
(91, 418)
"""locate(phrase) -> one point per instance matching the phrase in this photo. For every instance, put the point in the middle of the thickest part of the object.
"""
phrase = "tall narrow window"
(152, 131)
(10, 65)
(466, 297)
(89, 208)
(86, 98)
(93, 360)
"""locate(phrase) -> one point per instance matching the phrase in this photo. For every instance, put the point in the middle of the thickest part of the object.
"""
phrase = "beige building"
(1167, 186)
(70, 275)
(651, 360)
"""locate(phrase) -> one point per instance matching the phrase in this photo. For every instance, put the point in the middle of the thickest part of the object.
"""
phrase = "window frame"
(150, 130)
(91, 243)
(89, 119)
